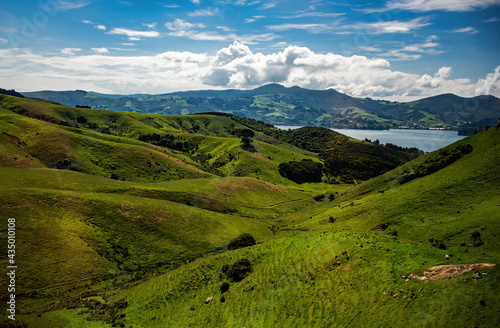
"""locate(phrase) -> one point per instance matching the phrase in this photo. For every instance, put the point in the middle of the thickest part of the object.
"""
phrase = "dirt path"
(451, 271)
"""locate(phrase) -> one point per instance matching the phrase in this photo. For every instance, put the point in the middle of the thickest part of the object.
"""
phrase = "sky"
(398, 50)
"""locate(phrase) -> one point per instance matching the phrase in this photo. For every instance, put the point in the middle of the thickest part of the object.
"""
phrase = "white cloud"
(492, 20)
(370, 49)
(414, 51)
(196, 2)
(150, 26)
(313, 14)
(70, 51)
(444, 5)
(181, 25)
(235, 66)
(181, 28)
(268, 5)
(428, 81)
(225, 28)
(490, 84)
(101, 27)
(2, 40)
(312, 28)
(393, 26)
(100, 50)
(63, 5)
(205, 12)
(134, 35)
(468, 29)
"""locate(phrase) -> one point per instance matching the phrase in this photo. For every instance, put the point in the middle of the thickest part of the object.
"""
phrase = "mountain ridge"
(277, 104)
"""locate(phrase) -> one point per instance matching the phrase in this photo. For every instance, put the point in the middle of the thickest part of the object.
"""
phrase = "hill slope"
(112, 230)
(296, 106)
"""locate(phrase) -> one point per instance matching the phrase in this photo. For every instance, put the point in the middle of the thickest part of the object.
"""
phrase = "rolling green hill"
(112, 231)
(276, 104)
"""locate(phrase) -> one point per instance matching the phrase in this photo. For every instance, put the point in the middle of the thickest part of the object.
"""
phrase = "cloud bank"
(235, 66)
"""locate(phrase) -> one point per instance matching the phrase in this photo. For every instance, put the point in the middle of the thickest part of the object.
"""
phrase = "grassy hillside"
(103, 143)
(277, 104)
(354, 271)
(97, 245)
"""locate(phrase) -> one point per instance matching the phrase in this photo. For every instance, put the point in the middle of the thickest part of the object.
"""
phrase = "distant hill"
(276, 104)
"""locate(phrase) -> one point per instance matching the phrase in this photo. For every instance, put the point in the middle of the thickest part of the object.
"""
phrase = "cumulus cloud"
(234, 66)
(490, 84)
(428, 81)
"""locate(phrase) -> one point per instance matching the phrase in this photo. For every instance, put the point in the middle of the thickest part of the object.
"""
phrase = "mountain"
(126, 219)
(277, 104)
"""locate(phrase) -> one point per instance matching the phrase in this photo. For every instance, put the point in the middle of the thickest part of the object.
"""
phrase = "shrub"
(243, 240)
(236, 272)
(224, 287)
(319, 198)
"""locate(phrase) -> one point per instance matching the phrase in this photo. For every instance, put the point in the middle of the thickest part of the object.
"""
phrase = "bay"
(426, 140)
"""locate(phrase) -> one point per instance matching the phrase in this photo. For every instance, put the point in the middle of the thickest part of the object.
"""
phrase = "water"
(426, 140)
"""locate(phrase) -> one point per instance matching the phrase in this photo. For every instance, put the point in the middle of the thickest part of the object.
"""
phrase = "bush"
(319, 198)
(224, 287)
(243, 240)
(236, 272)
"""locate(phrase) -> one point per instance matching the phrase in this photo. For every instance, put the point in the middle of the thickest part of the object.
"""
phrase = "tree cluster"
(11, 92)
(301, 172)
(168, 141)
(444, 158)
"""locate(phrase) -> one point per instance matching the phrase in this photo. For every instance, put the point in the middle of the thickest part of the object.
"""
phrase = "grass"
(314, 279)
(149, 251)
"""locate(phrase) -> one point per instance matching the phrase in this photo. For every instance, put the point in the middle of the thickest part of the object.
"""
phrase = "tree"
(243, 240)
(246, 136)
(476, 236)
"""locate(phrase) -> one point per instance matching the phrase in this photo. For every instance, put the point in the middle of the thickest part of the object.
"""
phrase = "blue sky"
(392, 49)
